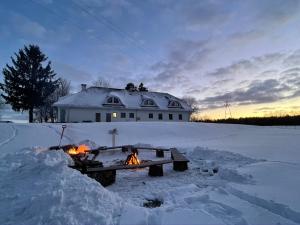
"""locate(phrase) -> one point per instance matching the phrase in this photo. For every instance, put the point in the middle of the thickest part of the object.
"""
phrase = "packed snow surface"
(257, 179)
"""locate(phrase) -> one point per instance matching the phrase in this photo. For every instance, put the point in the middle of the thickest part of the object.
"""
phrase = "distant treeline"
(260, 121)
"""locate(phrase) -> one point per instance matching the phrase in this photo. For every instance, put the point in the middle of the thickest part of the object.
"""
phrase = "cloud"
(276, 11)
(111, 9)
(185, 58)
(234, 69)
(75, 75)
(27, 27)
(258, 91)
(250, 66)
(255, 93)
(202, 13)
(262, 18)
(293, 59)
(263, 79)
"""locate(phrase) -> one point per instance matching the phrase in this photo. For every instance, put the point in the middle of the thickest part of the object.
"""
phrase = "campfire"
(81, 149)
(132, 159)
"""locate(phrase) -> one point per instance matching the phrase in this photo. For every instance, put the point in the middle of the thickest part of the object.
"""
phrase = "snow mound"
(38, 187)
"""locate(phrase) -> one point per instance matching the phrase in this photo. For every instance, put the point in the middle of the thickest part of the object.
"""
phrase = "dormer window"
(174, 104)
(148, 102)
(113, 100)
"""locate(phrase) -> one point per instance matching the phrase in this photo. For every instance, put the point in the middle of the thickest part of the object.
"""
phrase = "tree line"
(259, 121)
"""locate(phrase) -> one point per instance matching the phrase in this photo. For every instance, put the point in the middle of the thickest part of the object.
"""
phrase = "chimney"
(83, 87)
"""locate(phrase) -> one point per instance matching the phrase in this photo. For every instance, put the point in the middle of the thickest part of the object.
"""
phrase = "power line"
(104, 21)
(101, 38)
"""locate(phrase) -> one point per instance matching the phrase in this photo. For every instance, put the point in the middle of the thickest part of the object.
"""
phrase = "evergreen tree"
(29, 81)
(142, 87)
(130, 87)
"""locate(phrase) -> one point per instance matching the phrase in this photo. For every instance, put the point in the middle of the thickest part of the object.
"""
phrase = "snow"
(95, 97)
(257, 180)
(41, 189)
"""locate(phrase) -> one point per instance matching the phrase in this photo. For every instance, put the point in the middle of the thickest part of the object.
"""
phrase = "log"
(180, 165)
(104, 177)
(156, 171)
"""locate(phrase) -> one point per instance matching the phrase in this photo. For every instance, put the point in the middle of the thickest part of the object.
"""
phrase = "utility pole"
(227, 109)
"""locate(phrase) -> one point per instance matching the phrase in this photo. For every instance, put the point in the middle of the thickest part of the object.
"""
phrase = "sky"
(243, 52)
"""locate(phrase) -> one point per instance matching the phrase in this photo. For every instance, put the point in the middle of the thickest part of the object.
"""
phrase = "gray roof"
(95, 97)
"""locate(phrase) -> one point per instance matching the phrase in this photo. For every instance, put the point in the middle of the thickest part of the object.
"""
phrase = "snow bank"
(37, 187)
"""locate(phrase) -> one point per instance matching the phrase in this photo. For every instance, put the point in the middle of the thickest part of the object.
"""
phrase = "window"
(113, 100)
(114, 115)
(131, 115)
(174, 104)
(150, 115)
(148, 102)
(160, 116)
(110, 100)
(116, 101)
(180, 116)
(170, 116)
(123, 115)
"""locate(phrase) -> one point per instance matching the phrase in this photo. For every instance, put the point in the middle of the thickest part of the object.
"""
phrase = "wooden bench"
(107, 175)
(180, 162)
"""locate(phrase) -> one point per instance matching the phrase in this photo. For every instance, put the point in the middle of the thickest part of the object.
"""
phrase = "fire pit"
(107, 175)
(80, 150)
(132, 159)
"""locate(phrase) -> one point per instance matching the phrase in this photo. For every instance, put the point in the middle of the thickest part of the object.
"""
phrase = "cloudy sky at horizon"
(243, 52)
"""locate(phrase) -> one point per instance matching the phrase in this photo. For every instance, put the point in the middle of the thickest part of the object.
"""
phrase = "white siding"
(82, 114)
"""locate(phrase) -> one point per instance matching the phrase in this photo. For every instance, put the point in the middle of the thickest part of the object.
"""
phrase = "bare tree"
(63, 88)
(47, 112)
(192, 102)
(101, 82)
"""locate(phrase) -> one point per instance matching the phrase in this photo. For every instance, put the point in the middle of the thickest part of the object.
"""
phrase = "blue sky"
(244, 52)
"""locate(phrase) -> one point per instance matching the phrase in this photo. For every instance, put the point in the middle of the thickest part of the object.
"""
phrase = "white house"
(97, 104)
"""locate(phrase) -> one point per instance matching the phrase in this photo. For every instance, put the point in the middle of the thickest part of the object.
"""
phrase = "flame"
(132, 159)
(81, 149)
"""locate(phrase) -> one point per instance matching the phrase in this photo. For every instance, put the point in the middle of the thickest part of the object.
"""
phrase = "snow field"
(257, 180)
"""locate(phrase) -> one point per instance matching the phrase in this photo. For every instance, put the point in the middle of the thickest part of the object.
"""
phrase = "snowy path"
(65, 139)
(276, 208)
(12, 135)
(257, 183)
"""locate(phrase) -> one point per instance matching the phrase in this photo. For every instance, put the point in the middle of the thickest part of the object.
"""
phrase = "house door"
(62, 115)
(98, 117)
(108, 117)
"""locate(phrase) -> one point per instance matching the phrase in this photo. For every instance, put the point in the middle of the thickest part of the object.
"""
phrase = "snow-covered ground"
(257, 183)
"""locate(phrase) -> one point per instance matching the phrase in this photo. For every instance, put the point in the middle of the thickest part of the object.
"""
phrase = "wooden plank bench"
(124, 167)
(107, 175)
(180, 162)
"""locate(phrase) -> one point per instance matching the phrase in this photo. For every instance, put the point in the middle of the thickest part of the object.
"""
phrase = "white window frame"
(177, 104)
(113, 99)
(147, 101)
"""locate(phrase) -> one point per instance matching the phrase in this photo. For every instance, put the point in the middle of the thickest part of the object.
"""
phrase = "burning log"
(132, 159)
(80, 150)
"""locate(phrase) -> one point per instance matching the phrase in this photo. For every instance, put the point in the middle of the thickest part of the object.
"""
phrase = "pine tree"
(142, 87)
(130, 87)
(29, 81)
